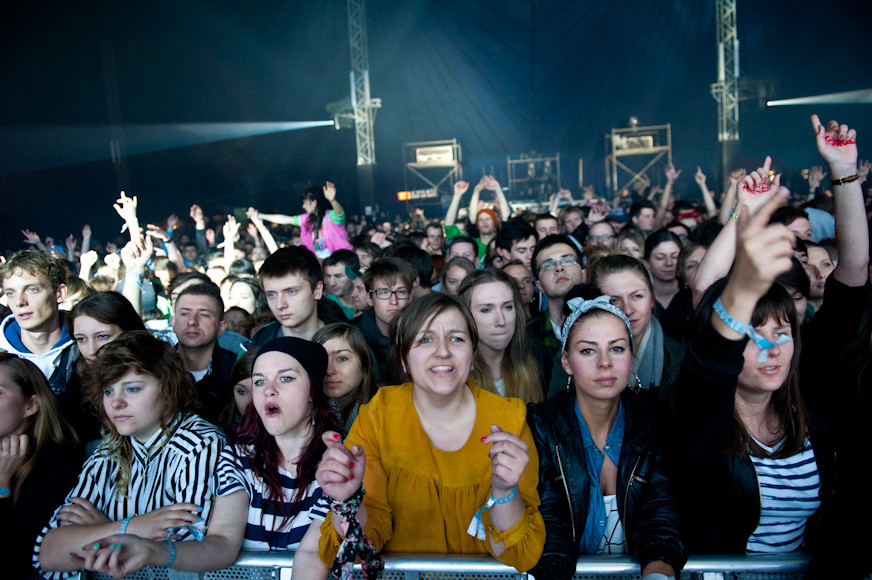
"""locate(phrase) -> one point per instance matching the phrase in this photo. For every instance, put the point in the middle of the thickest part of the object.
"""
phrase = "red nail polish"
(336, 436)
(352, 476)
(483, 438)
(351, 465)
(345, 480)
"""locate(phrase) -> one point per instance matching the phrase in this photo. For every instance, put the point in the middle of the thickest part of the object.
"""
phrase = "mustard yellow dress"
(420, 499)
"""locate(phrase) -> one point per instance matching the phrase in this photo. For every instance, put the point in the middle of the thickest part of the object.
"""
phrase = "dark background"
(503, 77)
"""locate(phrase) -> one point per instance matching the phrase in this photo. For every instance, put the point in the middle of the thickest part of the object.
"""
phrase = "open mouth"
(272, 410)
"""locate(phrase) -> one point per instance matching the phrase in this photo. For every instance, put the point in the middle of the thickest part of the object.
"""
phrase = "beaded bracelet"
(734, 216)
(124, 522)
(172, 549)
(761, 341)
(476, 526)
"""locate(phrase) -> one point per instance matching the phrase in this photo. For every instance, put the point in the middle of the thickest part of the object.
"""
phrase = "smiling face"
(663, 261)
(630, 293)
(281, 395)
(344, 371)
(134, 405)
(598, 357)
(90, 334)
(493, 308)
(767, 377)
(441, 355)
(32, 301)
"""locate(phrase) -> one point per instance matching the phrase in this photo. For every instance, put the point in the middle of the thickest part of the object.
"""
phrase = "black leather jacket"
(644, 496)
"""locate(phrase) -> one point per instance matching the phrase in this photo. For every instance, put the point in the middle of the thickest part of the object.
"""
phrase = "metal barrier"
(277, 565)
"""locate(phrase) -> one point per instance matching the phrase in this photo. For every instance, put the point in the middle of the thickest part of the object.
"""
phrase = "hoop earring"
(638, 387)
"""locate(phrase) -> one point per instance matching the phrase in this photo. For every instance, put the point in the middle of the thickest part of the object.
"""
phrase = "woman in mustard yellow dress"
(446, 467)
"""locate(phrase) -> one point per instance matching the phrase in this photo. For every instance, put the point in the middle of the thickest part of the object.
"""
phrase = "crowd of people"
(663, 380)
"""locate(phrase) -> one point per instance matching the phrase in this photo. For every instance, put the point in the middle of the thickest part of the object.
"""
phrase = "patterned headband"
(579, 306)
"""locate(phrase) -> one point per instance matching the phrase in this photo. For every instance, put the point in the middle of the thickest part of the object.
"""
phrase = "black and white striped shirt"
(164, 471)
(789, 495)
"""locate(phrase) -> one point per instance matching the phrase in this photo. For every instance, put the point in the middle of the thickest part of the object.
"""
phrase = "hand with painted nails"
(81, 512)
(837, 145)
(121, 554)
(509, 457)
(341, 470)
(154, 524)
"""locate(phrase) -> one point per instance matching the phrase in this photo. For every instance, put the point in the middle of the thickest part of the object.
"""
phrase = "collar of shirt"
(145, 452)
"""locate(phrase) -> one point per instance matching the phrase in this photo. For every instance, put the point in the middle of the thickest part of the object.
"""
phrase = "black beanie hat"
(310, 354)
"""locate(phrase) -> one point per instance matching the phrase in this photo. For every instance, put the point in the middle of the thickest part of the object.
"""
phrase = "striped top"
(789, 495)
(165, 470)
(235, 473)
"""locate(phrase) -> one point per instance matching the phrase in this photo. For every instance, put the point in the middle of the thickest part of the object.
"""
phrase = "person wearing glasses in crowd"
(389, 288)
(556, 267)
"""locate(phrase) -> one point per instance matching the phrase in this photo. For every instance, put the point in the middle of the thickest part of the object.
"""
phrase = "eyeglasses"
(566, 261)
(602, 237)
(385, 293)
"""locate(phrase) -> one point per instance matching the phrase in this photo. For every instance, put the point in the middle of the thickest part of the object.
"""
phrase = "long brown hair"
(518, 365)
(47, 425)
(787, 401)
(354, 338)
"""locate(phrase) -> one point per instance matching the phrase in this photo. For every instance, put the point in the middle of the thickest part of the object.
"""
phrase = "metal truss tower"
(726, 90)
(363, 106)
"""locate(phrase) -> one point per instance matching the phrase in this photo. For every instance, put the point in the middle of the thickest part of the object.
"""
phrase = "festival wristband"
(172, 558)
(5, 491)
(476, 526)
(761, 341)
(124, 523)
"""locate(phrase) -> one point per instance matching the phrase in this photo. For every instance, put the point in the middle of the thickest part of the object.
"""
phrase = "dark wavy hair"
(787, 400)
(322, 206)
(253, 440)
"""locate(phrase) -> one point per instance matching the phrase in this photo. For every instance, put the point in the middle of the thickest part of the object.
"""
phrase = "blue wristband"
(5, 491)
(761, 341)
(123, 528)
(172, 558)
(476, 526)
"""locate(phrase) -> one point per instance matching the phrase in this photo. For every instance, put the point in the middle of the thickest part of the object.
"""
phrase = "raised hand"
(330, 191)
(815, 175)
(736, 176)
(155, 524)
(126, 207)
(509, 457)
(210, 236)
(598, 212)
(672, 173)
(763, 252)
(492, 184)
(755, 189)
(158, 233)
(81, 512)
(837, 145)
(31, 238)
(196, 214)
(172, 221)
(136, 255)
(863, 170)
(88, 259)
(699, 177)
(86, 231)
(251, 229)
(231, 227)
(341, 470)
(71, 244)
(460, 188)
